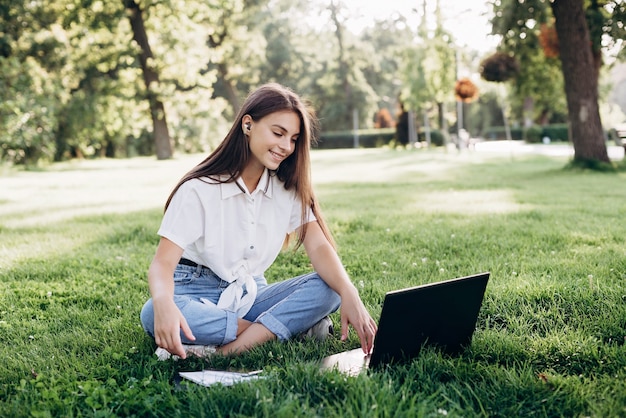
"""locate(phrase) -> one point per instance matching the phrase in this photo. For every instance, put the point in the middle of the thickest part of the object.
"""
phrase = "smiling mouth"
(277, 156)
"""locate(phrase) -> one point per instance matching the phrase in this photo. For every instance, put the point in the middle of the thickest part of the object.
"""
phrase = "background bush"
(372, 138)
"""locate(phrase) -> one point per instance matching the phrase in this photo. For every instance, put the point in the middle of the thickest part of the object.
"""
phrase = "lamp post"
(457, 62)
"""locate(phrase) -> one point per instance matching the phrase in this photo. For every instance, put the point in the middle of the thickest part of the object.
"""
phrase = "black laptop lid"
(441, 314)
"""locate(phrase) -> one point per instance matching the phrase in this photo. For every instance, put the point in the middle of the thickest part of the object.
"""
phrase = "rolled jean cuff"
(230, 333)
(274, 325)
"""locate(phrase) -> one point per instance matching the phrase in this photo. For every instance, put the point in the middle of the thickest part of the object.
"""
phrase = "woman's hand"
(354, 313)
(327, 264)
(168, 322)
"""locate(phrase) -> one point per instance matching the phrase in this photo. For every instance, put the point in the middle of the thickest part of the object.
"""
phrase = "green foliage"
(74, 87)
(368, 138)
(372, 138)
(521, 23)
(540, 78)
(533, 134)
(429, 73)
(27, 112)
(71, 84)
(498, 133)
(484, 113)
(436, 137)
(556, 132)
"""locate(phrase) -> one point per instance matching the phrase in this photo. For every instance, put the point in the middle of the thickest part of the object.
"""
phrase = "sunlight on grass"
(469, 202)
(77, 239)
(94, 187)
(89, 187)
(46, 244)
(382, 166)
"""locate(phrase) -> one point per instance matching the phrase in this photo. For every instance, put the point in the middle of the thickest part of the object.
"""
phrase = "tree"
(337, 83)
(383, 47)
(71, 78)
(429, 70)
(536, 92)
(29, 96)
(580, 30)
(354, 96)
(237, 44)
(580, 72)
(161, 132)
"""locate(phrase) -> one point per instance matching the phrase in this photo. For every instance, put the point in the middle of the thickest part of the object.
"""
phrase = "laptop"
(441, 314)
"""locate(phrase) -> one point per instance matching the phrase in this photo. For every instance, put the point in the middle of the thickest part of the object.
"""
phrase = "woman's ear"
(246, 124)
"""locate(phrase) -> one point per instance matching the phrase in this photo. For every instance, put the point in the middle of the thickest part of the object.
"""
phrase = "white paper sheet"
(211, 377)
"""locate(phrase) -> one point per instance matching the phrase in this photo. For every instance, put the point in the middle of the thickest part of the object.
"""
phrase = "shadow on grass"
(549, 339)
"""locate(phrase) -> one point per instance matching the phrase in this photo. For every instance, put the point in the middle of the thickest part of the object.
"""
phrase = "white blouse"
(235, 233)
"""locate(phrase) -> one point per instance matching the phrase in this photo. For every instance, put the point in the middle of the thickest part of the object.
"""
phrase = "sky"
(467, 20)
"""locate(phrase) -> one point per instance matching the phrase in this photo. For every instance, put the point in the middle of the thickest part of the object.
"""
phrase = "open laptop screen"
(442, 314)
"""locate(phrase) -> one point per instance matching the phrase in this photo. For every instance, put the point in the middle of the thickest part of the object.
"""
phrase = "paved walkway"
(519, 147)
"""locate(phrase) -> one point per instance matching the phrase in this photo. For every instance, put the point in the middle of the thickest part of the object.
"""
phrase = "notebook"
(441, 314)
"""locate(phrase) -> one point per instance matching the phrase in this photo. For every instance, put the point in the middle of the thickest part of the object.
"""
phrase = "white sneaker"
(196, 350)
(320, 331)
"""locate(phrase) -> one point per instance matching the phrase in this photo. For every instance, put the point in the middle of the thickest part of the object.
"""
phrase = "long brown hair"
(233, 153)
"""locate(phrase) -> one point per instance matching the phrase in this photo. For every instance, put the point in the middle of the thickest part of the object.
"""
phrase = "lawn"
(77, 239)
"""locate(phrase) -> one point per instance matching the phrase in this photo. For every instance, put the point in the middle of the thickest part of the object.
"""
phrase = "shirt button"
(252, 247)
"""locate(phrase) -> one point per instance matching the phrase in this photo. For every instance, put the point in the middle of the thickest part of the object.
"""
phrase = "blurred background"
(123, 78)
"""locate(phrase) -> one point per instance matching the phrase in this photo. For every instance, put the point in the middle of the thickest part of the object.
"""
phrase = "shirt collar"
(234, 188)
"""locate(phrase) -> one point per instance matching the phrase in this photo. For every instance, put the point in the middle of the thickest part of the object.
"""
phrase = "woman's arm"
(168, 320)
(327, 264)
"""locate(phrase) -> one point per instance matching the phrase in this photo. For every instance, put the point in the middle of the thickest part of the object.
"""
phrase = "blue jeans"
(285, 308)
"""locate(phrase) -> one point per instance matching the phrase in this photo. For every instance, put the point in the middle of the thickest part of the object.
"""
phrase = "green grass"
(76, 241)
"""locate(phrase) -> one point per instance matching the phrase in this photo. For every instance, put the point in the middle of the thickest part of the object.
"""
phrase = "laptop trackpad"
(351, 362)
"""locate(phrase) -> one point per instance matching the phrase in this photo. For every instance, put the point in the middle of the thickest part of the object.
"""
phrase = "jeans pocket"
(182, 277)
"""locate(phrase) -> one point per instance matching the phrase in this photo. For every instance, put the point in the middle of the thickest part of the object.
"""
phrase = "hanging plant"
(465, 90)
(499, 67)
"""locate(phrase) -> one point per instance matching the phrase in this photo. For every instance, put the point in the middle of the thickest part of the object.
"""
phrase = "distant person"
(402, 127)
(225, 223)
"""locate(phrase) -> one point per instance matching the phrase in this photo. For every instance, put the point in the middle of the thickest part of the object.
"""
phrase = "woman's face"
(271, 139)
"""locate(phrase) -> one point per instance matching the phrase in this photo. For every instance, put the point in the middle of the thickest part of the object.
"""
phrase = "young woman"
(225, 223)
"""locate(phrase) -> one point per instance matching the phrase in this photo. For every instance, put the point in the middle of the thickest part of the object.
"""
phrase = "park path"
(616, 153)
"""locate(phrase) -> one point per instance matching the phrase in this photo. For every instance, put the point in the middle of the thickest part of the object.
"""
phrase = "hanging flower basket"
(499, 67)
(465, 90)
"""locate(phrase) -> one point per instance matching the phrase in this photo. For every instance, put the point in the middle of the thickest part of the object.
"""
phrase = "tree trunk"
(161, 133)
(230, 90)
(343, 65)
(581, 81)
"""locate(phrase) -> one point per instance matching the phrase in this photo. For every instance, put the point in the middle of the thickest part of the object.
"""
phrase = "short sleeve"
(184, 218)
(295, 220)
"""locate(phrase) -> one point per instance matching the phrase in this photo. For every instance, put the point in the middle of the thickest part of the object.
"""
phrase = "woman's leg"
(285, 309)
(255, 334)
(209, 324)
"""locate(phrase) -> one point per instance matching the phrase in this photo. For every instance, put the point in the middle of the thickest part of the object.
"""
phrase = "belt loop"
(198, 269)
